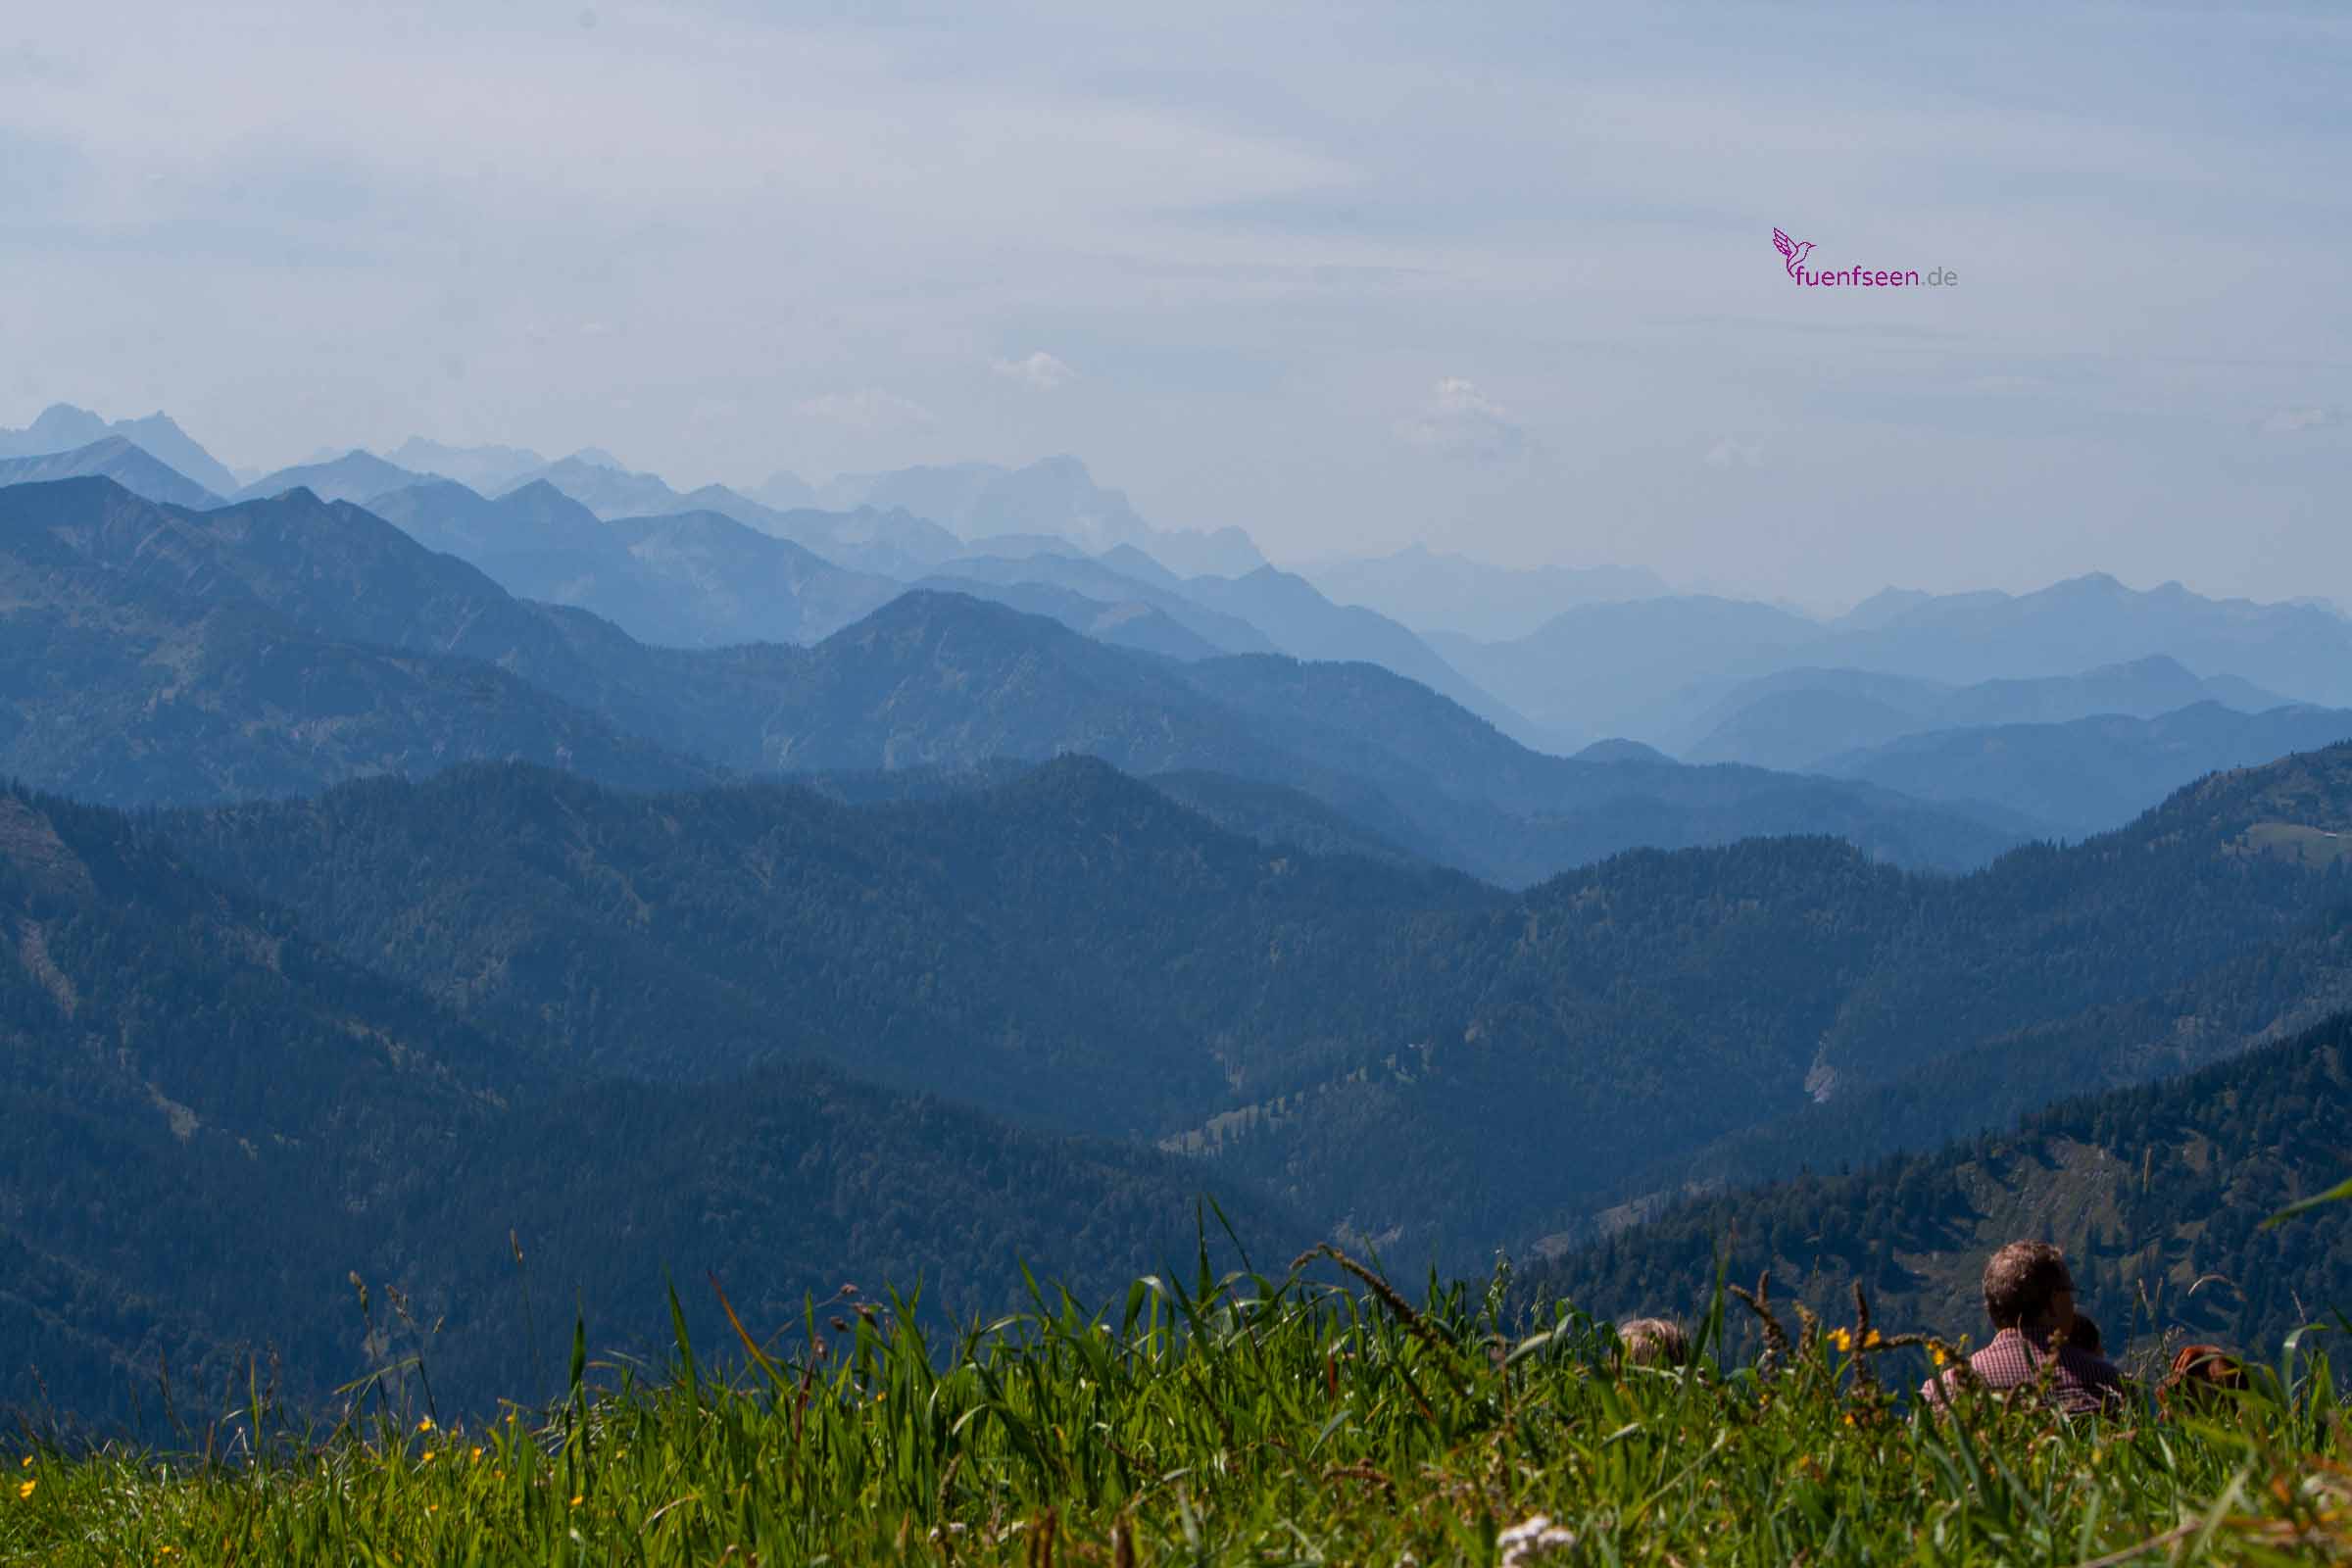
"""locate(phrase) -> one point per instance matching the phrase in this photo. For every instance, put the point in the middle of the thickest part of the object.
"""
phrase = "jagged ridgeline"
(2158, 1193)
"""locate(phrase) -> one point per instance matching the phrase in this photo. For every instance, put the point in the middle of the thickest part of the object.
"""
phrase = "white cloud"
(1040, 371)
(866, 409)
(2293, 421)
(1460, 422)
(1730, 453)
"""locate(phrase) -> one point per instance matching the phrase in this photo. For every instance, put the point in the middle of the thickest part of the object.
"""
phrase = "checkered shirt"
(2081, 1384)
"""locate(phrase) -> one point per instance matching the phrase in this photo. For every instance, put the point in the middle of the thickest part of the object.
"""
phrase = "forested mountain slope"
(214, 1123)
(2157, 1193)
(377, 1029)
(134, 670)
(1393, 1049)
(1060, 946)
(2090, 774)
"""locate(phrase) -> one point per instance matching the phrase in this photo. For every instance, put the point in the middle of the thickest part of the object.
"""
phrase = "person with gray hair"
(1654, 1341)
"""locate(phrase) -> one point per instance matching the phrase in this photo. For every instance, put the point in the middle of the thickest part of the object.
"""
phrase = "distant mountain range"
(692, 580)
(63, 427)
(1628, 669)
(677, 884)
(602, 984)
(740, 571)
(1796, 718)
(869, 540)
(1559, 655)
(1056, 496)
(614, 492)
(1122, 623)
(1435, 591)
(2091, 774)
(486, 469)
(116, 458)
(877, 541)
(152, 656)
(1109, 583)
(930, 679)
(1653, 669)
(354, 476)
(659, 592)
(1304, 624)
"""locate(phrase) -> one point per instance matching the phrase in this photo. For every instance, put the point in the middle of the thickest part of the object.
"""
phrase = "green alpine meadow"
(1234, 1419)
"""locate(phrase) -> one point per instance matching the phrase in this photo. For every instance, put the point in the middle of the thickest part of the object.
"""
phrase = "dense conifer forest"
(2159, 1195)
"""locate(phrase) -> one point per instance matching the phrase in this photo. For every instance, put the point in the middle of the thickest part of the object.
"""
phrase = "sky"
(1496, 278)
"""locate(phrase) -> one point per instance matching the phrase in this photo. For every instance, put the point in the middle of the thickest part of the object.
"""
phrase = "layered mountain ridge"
(928, 679)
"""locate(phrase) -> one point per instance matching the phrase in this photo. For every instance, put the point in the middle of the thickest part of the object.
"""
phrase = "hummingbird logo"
(1792, 251)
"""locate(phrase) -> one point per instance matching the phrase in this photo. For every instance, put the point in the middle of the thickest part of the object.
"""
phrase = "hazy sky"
(1501, 278)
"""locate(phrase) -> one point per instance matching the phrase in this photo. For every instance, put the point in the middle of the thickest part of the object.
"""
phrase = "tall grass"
(1320, 1417)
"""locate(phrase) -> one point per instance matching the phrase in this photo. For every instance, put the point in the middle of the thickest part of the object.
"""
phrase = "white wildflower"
(1532, 1541)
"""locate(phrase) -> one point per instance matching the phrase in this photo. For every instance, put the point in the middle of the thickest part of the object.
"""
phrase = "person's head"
(2027, 1286)
(1654, 1341)
(2199, 1375)
(2084, 1336)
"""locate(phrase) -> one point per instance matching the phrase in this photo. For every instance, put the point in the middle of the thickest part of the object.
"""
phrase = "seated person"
(1654, 1341)
(2196, 1384)
(2029, 1297)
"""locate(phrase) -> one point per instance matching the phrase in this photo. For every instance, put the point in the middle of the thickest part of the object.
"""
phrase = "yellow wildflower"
(578, 1498)
(477, 1457)
(25, 1463)
(1844, 1339)
(1937, 1356)
(1874, 1342)
(429, 1456)
(25, 1491)
(425, 1425)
